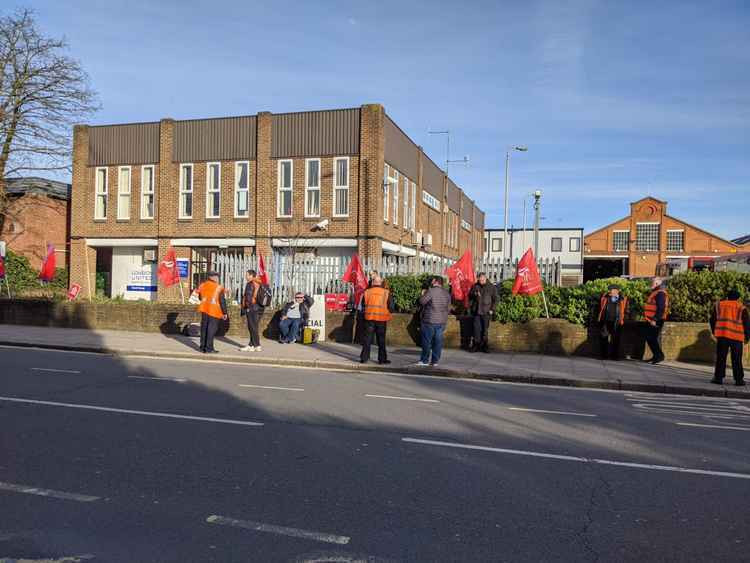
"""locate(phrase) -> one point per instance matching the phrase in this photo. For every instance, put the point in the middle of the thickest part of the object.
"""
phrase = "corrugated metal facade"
(467, 209)
(432, 178)
(135, 143)
(315, 133)
(400, 151)
(225, 138)
(454, 197)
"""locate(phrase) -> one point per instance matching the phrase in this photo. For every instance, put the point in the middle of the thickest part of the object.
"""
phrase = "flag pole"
(88, 271)
(545, 303)
(182, 291)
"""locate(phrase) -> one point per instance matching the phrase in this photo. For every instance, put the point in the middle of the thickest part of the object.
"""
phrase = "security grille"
(647, 237)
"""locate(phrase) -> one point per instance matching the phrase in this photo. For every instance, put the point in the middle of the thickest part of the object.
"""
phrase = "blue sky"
(616, 100)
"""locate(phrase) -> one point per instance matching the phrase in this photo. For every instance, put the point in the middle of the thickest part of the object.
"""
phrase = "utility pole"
(537, 208)
(507, 189)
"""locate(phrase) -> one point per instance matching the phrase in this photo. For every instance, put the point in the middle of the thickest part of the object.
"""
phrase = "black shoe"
(384, 362)
(202, 350)
(739, 383)
(361, 361)
(656, 361)
(212, 351)
(716, 381)
(486, 350)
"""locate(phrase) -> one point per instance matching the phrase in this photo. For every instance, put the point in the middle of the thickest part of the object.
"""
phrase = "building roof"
(41, 186)
(648, 197)
(531, 228)
(742, 240)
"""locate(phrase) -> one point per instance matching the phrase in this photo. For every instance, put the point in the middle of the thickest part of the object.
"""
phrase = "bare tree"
(43, 92)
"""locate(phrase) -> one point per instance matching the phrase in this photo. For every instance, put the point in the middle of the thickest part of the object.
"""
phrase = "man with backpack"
(255, 299)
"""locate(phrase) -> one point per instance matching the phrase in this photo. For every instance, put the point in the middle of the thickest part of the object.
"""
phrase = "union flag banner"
(355, 275)
(528, 281)
(262, 274)
(47, 272)
(168, 272)
(461, 277)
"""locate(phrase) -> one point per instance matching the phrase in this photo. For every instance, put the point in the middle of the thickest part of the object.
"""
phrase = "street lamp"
(507, 167)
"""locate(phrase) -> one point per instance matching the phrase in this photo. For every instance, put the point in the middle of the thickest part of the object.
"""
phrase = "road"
(147, 459)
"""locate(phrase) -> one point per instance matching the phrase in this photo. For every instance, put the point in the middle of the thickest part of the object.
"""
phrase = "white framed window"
(386, 187)
(241, 189)
(407, 219)
(147, 192)
(647, 237)
(675, 240)
(620, 241)
(396, 202)
(497, 245)
(102, 193)
(312, 187)
(123, 192)
(556, 244)
(341, 187)
(213, 190)
(285, 183)
(574, 244)
(413, 206)
(186, 191)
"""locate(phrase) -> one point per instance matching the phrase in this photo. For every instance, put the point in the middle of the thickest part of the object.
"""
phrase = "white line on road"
(550, 412)
(282, 530)
(14, 488)
(745, 428)
(127, 411)
(151, 378)
(56, 370)
(269, 387)
(402, 398)
(579, 459)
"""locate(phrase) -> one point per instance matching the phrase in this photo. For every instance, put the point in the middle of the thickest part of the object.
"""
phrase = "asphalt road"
(194, 461)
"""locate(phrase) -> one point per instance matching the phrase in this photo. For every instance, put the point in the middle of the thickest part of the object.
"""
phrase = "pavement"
(154, 458)
(577, 371)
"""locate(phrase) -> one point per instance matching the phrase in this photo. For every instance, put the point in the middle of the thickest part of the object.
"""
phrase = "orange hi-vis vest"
(210, 293)
(649, 309)
(729, 320)
(622, 304)
(376, 304)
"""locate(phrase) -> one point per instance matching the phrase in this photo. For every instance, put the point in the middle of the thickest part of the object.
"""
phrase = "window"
(406, 203)
(465, 225)
(100, 205)
(285, 175)
(620, 241)
(341, 187)
(123, 192)
(186, 191)
(575, 244)
(386, 185)
(241, 189)
(147, 192)
(395, 180)
(312, 187)
(647, 237)
(413, 206)
(556, 244)
(675, 241)
(213, 190)
(497, 245)
(430, 200)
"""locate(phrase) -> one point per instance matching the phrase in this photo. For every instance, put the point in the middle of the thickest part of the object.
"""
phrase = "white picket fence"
(315, 275)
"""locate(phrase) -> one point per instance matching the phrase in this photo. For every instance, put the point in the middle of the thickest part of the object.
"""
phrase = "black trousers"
(652, 339)
(376, 329)
(481, 328)
(724, 346)
(209, 327)
(254, 313)
(610, 345)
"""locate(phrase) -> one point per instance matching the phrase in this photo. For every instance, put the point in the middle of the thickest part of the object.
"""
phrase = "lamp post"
(507, 186)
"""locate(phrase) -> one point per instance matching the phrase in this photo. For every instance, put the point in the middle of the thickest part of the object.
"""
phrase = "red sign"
(336, 301)
(73, 292)
(528, 281)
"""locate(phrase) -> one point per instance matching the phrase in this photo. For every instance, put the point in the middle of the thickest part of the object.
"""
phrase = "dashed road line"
(281, 530)
(718, 426)
(551, 412)
(151, 378)
(52, 370)
(271, 387)
(25, 489)
(402, 398)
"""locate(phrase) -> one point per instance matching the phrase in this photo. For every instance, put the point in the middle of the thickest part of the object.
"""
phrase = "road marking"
(151, 378)
(550, 412)
(14, 488)
(745, 428)
(56, 370)
(127, 411)
(580, 459)
(282, 530)
(269, 387)
(402, 398)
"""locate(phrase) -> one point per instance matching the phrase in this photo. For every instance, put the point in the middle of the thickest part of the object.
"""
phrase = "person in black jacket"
(293, 316)
(483, 297)
(253, 311)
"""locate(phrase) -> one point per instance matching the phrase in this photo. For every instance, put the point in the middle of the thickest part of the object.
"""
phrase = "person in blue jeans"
(436, 303)
(293, 316)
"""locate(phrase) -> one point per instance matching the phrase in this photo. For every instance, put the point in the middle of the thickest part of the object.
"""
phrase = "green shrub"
(406, 290)
(693, 294)
(24, 279)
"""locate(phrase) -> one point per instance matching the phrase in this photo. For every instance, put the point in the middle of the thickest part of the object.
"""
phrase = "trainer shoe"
(247, 349)
(421, 364)
(258, 349)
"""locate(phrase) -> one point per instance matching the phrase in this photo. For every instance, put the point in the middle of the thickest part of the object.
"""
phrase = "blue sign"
(182, 267)
(151, 288)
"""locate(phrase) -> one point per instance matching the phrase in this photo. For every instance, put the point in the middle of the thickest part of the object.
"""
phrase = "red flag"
(262, 275)
(168, 272)
(47, 272)
(355, 275)
(461, 277)
(2, 267)
(528, 281)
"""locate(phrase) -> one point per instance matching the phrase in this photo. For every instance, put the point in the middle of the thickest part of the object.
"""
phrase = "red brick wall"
(33, 221)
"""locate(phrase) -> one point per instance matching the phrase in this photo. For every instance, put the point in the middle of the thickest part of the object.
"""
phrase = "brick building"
(37, 214)
(635, 245)
(328, 183)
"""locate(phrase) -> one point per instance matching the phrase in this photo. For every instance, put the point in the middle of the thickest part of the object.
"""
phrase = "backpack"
(264, 296)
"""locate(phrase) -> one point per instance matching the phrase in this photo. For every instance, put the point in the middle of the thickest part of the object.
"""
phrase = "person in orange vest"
(612, 308)
(213, 310)
(730, 325)
(655, 311)
(378, 306)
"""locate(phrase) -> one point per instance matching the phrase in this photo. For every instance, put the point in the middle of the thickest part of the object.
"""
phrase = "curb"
(618, 385)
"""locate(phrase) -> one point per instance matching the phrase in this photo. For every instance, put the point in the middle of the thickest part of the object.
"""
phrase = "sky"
(615, 100)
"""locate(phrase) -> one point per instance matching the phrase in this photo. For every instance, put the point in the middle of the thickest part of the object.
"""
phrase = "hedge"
(692, 295)
(23, 279)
